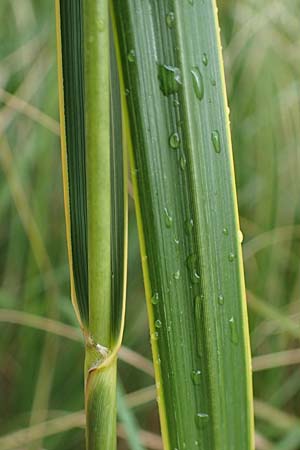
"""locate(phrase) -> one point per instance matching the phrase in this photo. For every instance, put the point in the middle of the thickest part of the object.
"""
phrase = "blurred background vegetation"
(41, 381)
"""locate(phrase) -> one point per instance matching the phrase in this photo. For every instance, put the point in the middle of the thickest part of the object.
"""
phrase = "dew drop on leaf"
(205, 59)
(176, 275)
(158, 323)
(154, 336)
(169, 79)
(170, 19)
(192, 264)
(196, 376)
(215, 138)
(241, 236)
(182, 162)
(155, 299)
(221, 299)
(131, 56)
(225, 231)
(168, 218)
(233, 331)
(174, 140)
(197, 82)
(201, 419)
(231, 257)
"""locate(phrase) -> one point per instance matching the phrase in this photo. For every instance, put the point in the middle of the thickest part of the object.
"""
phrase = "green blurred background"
(41, 381)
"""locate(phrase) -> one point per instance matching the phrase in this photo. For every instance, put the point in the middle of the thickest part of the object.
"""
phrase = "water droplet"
(201, 419)
(205, 59)
(168, 218)
(233, 331)
(174, 140)
(155, 299)
(195, 277)
(131, 56)
(182, 162)
(221, 299)
(212, 81)
(176, 103)
(225, 231)
(241, 236)
(170, 19)
(154, 336)
(176, 275)
(100, 25)
(192, 263)
(189, 224)
(191, 2)
(126, 92)
(158, 323)
(215, 138)
(196, 376)
(197, 82)
(231, 257)
(169, 79)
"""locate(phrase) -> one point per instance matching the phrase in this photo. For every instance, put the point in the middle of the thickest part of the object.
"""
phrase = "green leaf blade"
(72, 66)
(183, 172)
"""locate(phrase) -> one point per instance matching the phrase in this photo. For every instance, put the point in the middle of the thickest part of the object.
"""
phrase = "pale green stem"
(97, 107)
(100, 383)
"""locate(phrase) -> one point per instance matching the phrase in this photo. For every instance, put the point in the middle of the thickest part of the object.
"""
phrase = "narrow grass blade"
(72, 121)
(290, 442)
(183, 178)
(127, 418)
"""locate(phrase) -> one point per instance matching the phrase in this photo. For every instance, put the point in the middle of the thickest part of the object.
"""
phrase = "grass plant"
(260, 41)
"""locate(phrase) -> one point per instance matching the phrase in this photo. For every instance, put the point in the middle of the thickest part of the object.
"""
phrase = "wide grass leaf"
(183, 177)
